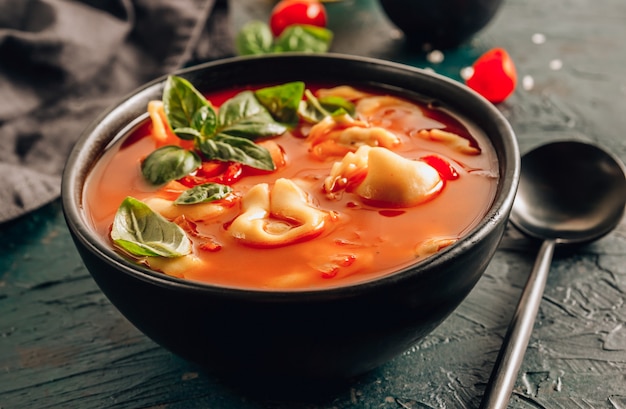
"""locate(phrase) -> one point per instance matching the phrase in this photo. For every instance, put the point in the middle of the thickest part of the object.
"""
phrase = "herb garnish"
(256, 38)
(227, 135)
(205, 193)
(169, 163)
(315, 109)
(142, 232)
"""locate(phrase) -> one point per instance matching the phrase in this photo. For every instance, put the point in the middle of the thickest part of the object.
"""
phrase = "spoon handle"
(515, 342)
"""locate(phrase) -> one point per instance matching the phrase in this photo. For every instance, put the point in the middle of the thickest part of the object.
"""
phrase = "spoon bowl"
(570, 192)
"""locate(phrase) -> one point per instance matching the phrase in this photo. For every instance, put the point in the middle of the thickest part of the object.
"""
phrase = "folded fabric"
(62, 62)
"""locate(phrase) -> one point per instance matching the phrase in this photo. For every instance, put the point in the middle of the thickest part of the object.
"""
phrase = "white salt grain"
(538, 38)
(556, 64)
(528, 82)
(467, 72)
(435, 57)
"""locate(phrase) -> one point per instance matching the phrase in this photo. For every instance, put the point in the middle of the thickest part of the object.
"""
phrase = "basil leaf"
(244, 116)
(311, 110)
(230, 148)
(208, 192)
(254, 127)
(142, 232)
(169, 163)
(241, 106)
(314, 110)
(333, 104)
(304, 38)
(187, 133)
(187, 109)
(254, 37)
(282, 101)
(205, 120)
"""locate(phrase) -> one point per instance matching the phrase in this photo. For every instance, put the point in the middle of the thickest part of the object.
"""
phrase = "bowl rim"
(81, 157)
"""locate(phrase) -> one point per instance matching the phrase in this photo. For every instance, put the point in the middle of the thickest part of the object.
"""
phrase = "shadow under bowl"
(310, 335)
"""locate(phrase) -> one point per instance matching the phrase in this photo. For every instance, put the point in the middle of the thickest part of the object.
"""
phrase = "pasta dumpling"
(450, 139)
(342, 91)
(277, 217)
(390, 179)
(378, 105)
(337, 135)
(198, 212)
(178, 266)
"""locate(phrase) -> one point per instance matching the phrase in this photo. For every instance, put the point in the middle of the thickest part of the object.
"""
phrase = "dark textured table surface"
(63, 345)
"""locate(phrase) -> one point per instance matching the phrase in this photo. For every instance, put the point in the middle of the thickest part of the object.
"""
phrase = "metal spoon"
(569, 193)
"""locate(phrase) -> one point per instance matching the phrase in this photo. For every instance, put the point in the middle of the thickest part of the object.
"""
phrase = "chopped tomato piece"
(232, 174)
(211, 246)
(328, 149)
(445, 169)
(225, 173)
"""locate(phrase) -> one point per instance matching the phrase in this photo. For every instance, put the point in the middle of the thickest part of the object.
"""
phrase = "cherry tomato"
(494, 77)
(289, 12)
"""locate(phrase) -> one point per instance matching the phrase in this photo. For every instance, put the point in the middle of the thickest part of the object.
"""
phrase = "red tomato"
(289, 12)
(445, 169)
(225, 173)
(494, 75)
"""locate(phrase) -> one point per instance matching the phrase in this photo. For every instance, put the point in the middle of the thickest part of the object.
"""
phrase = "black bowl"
(327, 334)
(440, 24)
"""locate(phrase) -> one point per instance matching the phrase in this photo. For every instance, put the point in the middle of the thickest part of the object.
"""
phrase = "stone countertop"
(63, 345)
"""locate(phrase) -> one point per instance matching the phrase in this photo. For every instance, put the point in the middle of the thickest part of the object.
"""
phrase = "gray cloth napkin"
(62, 62)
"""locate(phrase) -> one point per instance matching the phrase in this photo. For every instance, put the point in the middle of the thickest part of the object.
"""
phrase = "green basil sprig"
(142, 232)
(256, 38)
(243, 118)
(188, 112)
(304, 38)
(205, 193)
(228, 134)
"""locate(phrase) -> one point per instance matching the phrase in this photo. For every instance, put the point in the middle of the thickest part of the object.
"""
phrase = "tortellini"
(390, 179)
(378, 105)
(176, 267)
(450, 139)
(278, 216)
(433, 245)
(198, 212)
(343, 91)
(159, 126)
(337, 135)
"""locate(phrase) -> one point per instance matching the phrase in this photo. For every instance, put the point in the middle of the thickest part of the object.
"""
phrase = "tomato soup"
(359, 184)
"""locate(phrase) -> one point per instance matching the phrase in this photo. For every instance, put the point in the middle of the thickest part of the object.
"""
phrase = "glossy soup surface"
(362, 239)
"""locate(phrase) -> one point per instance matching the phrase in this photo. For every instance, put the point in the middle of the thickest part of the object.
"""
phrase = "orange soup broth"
(362, 243)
